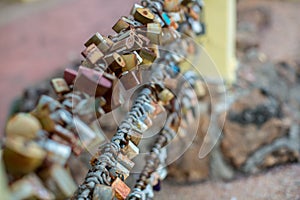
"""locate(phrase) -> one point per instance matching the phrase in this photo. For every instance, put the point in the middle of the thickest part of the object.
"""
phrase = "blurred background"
(40, 38)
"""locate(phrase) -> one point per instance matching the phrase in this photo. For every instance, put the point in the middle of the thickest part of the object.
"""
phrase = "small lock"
(59, 180)
(70, 75)
(91, 82)
(143, 15)
(113, 96)
(92, 54)
(125, 161)
(118, 64)
(120, 26)
(131, 150)
(103, 43)
(120, 171)
(171, 5)
(60, 86)
(131, 22)
(148, 56)
(154, 33)
(21, 156)
(165, 96)
(103, 192)
(23, 124)
(120, 188)
(130, 79)
(135, 136)
(130, 60)
(30, 187)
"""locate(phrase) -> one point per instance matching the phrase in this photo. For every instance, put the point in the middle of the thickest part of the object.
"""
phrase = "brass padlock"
(154, 33)
(120, 188)
(131, 21)
(120, 26)
(143, 15)
(92, 54)
(102, 42)
(103, 192)
(130, 79)
(60, 86)
(119, 171)
(130, 60)
(23, 124)
(30, 187)
(21, 156)
(131, 150)
(148, 57)
(118, 64)
(165, 96)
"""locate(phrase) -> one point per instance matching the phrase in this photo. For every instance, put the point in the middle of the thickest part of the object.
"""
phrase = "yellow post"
(219, 41)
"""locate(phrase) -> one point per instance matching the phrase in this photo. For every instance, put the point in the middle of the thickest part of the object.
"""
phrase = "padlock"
(171, 5)
(91, 82)
(51, 103)
(30, 187)
(42, 113)
(143, 15)
(60, 86)
(23, 124)
(56, 152)
(59, 181)
(130, 79)
(70, 75)
(131, 150)
(119, 171)
(118, 64)
(113, 96)
(148, 57)
(154, 33)
(21, 156)
(103, 192)
(120, 188)
(102, 42)
(130, 60)
(135, 136)
(125, 161)
(92, 54)
(120, 26)
(132, 22)
(165, 96)
(62, 117)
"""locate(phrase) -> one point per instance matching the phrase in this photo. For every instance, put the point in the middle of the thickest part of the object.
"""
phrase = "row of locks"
(155, 37)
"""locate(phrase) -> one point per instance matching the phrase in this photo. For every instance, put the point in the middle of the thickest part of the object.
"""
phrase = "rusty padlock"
(121, 189)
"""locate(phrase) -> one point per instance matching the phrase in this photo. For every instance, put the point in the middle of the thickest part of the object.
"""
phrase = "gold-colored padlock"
(131, 61)
(102, 42)
(131, 150)
(148, 57)
(121, 170)
(120, 188)
(120, 26)
(103, 192)
(154, 33)
(118, 64)
(143, 15)
(60, 86)
(165, 96)
(23, 124)
(21, 156)
(92, 54)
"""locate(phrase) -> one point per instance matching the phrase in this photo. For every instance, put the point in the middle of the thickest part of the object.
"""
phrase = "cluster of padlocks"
(154, 38)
